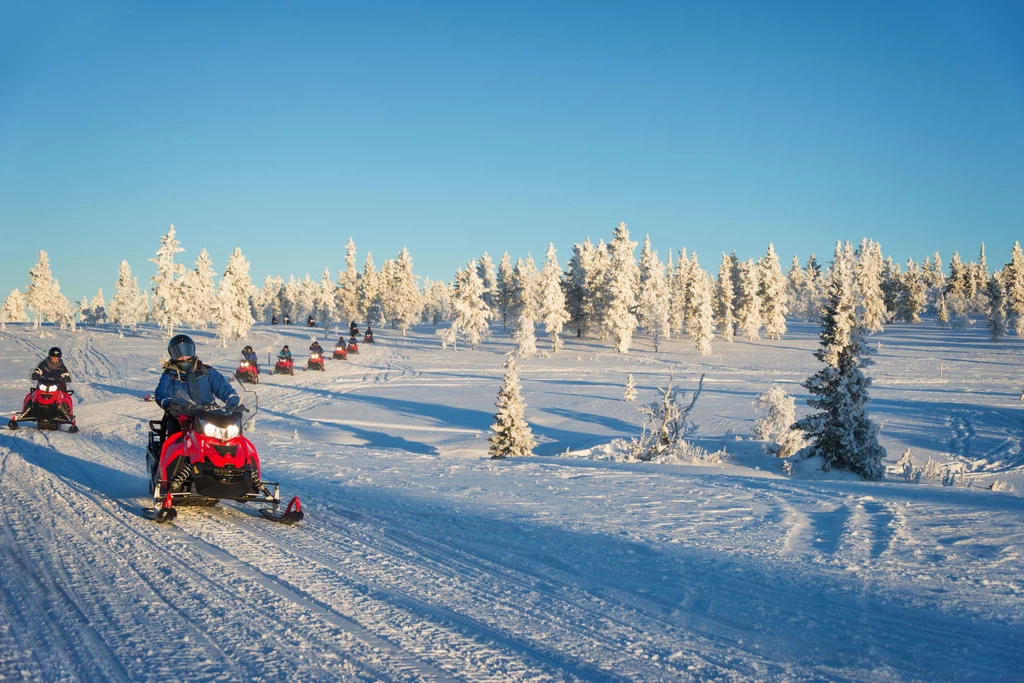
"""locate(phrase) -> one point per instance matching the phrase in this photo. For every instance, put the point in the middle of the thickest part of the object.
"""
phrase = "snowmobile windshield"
(219, 425)
(184, 348)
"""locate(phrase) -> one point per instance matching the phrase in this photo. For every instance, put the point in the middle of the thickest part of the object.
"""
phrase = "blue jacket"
(251, 357)
(200, 386)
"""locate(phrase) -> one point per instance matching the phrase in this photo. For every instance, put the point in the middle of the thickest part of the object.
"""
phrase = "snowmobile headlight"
(245, 363)
(232, 431)
(213, 431)
(48, 388)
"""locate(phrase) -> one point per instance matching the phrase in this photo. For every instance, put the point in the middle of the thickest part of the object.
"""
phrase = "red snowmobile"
(285, 366)
(368, 337)
(247, 372)
(49, 406)
(339, 352)
(353, 347)
(208, 461)
(315, 362)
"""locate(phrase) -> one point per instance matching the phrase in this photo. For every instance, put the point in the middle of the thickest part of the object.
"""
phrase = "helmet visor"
(183, 349)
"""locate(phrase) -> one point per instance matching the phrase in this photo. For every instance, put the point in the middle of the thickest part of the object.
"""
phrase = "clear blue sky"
(458, 127)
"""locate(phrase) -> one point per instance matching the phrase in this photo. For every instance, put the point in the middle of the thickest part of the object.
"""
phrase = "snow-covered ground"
(421, 559)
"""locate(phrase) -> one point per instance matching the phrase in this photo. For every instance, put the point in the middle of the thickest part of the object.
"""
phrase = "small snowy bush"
(630, 393)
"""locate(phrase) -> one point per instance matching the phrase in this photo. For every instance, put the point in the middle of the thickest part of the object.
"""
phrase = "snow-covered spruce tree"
(129, 307)
(325, 303)
(596, 302)
(957, 283)
(63, 312)
(96, 312)
(307, 297)
(525, 337)
(979, 282)
(679, 293)
(892, 288)
(291, 293)
(512, 434)
(630, 393)
(749, 314)
(439, 298)
(868, 275)
(406, 301)
(197, 293)
(618, 286)
(270, 298)
(575, 280)
(725, 299)
(369, 290)
(552, 298)
(1013, 278)
(996, 308)
(471, 312)
(653, 304)
(234, 316)
(347, 292)
(941, 311)
(505, 292)
(485, 270)
(531, 283)
(778, 410)
(815, 289)
(700, 326)
(774, 302)
(166, 311)
(912, 300)
(841, 432)
(13, 310)
(796, 283)
(42, 295)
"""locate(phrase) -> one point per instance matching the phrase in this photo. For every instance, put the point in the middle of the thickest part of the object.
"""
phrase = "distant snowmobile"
(315, 362)
(208, 461)
(368, 337)
(247, 372)
(339, 352)
(353, 347)
(49, 406)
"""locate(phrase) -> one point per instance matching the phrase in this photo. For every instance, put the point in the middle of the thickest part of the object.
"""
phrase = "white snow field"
(420, 559)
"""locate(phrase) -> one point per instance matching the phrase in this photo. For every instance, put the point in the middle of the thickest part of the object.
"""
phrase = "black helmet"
(181, 345)
(285, 348)
(54, 352)
(247, 349)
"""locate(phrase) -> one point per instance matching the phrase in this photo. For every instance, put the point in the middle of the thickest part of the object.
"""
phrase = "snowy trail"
(413, 566)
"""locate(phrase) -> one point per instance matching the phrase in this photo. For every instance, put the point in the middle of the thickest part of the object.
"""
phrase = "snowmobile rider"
(250, 355)
(285, 353)
(187, 380)
(353, 329)
(315, 346)
(52, 370)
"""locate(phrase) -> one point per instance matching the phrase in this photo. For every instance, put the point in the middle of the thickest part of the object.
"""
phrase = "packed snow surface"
(422, 560)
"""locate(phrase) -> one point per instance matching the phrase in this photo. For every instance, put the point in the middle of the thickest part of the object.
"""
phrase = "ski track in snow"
(424, 568)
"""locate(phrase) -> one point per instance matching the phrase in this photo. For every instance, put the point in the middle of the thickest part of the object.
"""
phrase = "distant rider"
(353, 329)
(250, 355)
(52, 370)
(188, 381)
(285, 353)
(316, 348)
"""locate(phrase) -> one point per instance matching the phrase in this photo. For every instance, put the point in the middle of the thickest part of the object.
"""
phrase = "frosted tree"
(471, 311)
(725, 299)
(1013, 277)
(439, 298)
(619, 289)
(700, 326)
(525, 337)
(815, 289)
(485, 269)
(892, 288)
(291, 295)
(774, 302)
(630, 393)
(941, 311)
(96, 313)
(868, 274)
(325, 303)
(198, 300)
(653, 303)
(347, 294)
(552, 298)
(42, 296)
(778, 413)
(996, 309)
(405, 300)
(796, 286)
(166, 311)
(512, 435)
(679, 293)
(234, 316)
(749, 313)
(504, 295)
(62, 312)
(369, 294)
(13, 310)
(912, 300)
(270, 298)
(575, 281)
(841, 433)
(531, 284)
(129, 306)
(958, 276)
(596, 302)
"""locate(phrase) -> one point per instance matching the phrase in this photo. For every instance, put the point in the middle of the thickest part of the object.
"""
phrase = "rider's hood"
(169, 366)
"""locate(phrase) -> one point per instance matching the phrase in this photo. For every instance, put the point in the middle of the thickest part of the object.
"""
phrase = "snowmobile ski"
(292, 512)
